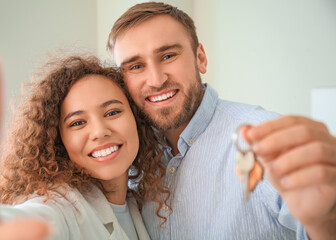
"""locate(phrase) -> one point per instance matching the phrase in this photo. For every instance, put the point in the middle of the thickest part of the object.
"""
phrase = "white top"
(82, 216)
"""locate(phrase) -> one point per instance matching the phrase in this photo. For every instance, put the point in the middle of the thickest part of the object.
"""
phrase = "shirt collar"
(199, 121)
(101, 206)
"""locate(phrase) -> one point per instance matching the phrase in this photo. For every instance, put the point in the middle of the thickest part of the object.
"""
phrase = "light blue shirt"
(125, 220)
(206, 195)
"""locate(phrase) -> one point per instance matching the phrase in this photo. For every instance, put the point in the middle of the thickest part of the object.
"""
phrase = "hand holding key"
(299, 157)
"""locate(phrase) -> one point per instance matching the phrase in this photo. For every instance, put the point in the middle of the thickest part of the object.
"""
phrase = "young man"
(157, 49)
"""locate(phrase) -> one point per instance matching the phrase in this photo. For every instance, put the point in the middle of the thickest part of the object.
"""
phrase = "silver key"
(245, 162)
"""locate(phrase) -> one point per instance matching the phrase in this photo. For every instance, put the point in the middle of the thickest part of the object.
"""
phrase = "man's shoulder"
(244, 112)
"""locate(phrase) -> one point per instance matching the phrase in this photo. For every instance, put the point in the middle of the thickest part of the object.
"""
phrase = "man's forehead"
(149, 36)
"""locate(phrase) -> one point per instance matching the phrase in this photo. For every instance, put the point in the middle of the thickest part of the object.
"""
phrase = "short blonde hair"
(145, 11)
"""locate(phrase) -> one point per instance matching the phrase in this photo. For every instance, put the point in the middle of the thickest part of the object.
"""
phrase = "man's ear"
(202, 61)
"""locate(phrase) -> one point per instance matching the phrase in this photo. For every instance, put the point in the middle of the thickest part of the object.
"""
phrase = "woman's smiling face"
(98, 128)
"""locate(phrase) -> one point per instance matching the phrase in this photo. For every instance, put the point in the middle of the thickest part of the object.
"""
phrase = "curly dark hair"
(34, 159)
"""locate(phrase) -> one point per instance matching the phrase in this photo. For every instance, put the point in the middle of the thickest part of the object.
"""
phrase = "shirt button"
(172, 169)
(191, 141)
(165, 207)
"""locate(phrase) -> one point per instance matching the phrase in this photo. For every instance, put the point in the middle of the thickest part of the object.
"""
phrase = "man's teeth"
(105, 152)
(161, 97)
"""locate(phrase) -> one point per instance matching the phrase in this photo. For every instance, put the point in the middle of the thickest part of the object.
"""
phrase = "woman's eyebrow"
(69, 115)
(103, 105)
(109, 102)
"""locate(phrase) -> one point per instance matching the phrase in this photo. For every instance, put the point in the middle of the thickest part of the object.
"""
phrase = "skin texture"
(297, 153)
(161, 61)
(30, 229)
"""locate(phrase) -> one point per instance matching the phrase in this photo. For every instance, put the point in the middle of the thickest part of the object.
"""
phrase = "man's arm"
(299, 156)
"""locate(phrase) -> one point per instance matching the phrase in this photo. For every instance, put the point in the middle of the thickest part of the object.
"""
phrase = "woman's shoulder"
(64, 195)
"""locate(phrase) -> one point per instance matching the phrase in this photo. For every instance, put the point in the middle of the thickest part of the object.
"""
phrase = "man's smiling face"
(161, 71)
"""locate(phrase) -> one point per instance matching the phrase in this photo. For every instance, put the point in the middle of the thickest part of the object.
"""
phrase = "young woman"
(73, 147)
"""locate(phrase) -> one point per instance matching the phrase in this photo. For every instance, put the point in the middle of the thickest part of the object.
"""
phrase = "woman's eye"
(112, 113)
(77, 123)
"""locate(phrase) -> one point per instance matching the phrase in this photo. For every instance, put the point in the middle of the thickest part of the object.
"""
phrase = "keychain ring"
(235, 138)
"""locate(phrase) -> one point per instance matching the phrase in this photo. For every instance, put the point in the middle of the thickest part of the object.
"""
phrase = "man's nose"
(156, 76)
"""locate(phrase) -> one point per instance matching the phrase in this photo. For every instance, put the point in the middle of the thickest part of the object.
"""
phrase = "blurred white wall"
(269, 53)
(31, 29)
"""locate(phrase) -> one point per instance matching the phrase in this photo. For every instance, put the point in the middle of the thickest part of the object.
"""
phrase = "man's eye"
(77, 123)
(135, 67)
(112, 113)
(168, 56)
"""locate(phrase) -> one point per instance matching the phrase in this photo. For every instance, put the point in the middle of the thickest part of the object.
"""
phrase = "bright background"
(269, 53)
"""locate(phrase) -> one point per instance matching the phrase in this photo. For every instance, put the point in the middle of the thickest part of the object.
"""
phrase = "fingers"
(313, 153)
(288, 138)
(280, 135)
(310, 176)
(24, 229)
(258, 132)
(293, 147)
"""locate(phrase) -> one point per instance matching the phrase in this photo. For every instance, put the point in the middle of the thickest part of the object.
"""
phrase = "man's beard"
(163, 122)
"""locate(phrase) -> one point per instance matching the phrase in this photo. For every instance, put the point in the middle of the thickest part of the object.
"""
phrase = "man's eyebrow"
(159, 50)
(168, 47)
(103, 105)
(129, 60)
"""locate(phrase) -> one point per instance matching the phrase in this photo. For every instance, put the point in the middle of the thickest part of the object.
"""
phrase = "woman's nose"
(100, 130)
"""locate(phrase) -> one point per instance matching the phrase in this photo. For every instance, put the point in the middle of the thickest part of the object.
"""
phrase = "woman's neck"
(116, 190)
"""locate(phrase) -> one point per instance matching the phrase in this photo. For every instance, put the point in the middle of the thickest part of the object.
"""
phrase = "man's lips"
(162, 96)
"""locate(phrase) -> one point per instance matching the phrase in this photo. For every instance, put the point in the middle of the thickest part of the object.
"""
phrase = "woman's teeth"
(105, 152)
